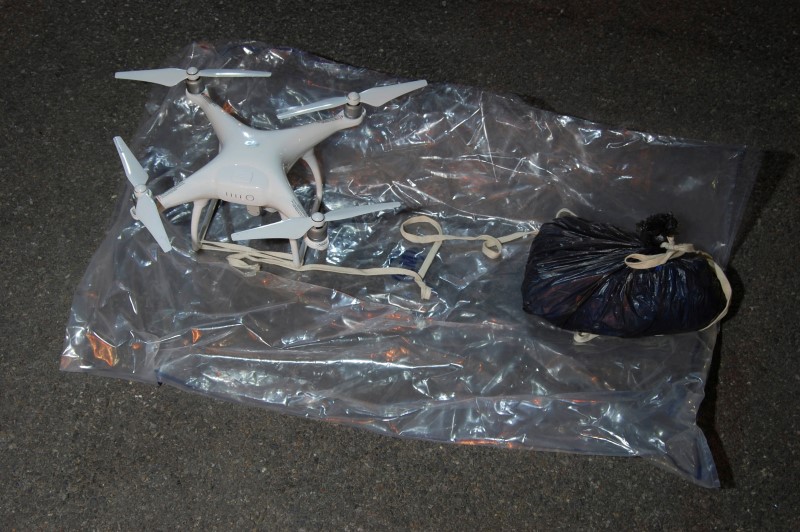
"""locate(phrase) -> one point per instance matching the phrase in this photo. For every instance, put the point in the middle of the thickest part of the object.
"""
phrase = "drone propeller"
(292, 228)
(374, 97)
(146, 210)
(172, 76)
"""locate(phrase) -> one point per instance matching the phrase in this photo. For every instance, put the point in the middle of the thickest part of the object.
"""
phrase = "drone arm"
(294, 142)
(312, 134)
(227, 128)
(200, 185)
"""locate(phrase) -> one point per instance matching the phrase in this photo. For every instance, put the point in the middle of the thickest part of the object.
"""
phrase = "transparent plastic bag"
(467, 365)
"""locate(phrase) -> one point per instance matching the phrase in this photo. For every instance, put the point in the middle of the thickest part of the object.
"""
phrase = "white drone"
(250, 168)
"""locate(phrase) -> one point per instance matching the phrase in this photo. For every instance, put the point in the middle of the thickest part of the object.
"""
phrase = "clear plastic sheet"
(466, 366)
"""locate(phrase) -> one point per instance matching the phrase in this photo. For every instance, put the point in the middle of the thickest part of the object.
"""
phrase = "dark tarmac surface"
(85, 452)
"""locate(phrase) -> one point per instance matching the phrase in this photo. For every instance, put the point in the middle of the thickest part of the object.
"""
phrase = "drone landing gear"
(201, 220)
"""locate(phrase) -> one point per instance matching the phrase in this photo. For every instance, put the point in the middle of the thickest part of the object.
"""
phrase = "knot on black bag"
(657, 229)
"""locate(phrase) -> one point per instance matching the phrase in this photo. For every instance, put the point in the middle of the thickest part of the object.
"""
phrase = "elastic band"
(248, 259)
(639, 261)
(492, 246)
(583, 337)
(239, 255)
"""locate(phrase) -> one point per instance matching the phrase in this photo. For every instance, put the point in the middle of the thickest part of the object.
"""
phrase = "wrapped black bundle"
(597, 279)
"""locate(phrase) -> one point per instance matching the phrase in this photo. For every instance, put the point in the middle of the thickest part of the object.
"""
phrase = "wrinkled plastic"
(467, 366)
(577, 279)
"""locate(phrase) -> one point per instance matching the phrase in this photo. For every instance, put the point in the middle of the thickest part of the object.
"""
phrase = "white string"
(583, 337)
(639, 261)
(248, 259)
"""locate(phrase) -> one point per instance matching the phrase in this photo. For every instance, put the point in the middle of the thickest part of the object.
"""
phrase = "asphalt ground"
(85, 452)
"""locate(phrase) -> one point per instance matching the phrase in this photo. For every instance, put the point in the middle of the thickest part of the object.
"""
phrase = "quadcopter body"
(250, 168)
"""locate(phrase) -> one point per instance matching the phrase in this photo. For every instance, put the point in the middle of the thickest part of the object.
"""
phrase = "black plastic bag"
(577, 278)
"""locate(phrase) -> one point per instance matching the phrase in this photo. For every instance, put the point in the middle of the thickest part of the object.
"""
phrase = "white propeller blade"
(374, 97)
(146, 210)
(172, 76)
(351, 212)
(134, 171)
(292, 228)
